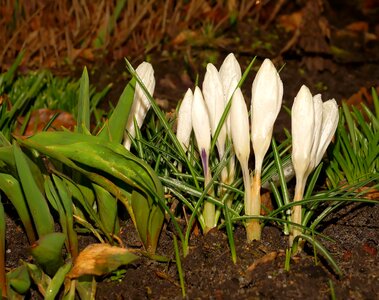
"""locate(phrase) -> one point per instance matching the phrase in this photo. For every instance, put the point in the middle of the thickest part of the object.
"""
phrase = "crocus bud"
(328, 128)
(313, 126)
(214, 99)
(266, 101)
(317, 109)
(184, 127)
(201, 126)
(230, 74)
(141, 103)
(302, 131)
(239, 118)
(229, 69)
(202, 130)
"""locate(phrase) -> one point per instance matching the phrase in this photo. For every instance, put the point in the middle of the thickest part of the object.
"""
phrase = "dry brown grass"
(63, 33)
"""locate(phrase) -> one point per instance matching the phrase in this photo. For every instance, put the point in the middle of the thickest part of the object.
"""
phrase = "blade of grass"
(83, 104)
(179, 266)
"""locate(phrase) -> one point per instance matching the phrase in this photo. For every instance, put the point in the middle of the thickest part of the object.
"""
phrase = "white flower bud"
(184, 128)
(214, 99)
(302, 131)
(201, 125)
(266, 101)
(141, 103)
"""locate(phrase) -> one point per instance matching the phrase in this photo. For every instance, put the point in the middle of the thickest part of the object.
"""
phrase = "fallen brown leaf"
(100, 259)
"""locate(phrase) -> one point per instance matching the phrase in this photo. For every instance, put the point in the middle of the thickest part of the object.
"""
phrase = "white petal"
(302, 131)
(184, 128)
(200, 122)
(214, 99)
(329, 125)
(230, 73)
(317, 107)
(266, 101)
(141, 103)
(240, 126)
(229, 69)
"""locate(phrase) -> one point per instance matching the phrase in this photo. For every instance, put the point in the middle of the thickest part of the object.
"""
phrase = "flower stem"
(296, 210)
(253, 227)
(209, 211)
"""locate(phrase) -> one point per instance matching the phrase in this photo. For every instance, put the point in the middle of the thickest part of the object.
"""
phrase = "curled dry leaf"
(100, 259)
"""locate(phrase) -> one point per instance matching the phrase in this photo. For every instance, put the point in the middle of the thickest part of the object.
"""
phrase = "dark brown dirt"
(210, 273)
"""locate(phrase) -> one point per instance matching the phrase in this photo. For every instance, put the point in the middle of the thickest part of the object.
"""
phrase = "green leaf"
(39, 278)
(57, 281)
(114, 131)
(107, 209)
(12, 189)
(18, 282)
(66, 202)
(37, 204)
(47, 251)
(141, 209)
(83, 104)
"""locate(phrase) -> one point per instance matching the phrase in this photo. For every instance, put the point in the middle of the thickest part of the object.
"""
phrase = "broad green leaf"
(154, 228)
(12, 189)
(86, 287)
(37, 204)
(115, 128)
(18, 282)
(40, 279)
(141, 209)
(47, 251)
(66, 201)
(107, 209)
(57, 281)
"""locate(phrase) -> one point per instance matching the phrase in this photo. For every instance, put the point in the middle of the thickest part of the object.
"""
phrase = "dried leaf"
(292, 21)
(41, 117)
(100, 259)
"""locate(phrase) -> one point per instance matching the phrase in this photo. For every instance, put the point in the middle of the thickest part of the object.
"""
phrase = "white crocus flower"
(317, 110)
(202, 129)
(141, 103)
(329, 125)
(313, 126)
(239, 118)
(230, 74)
(184, 127)
(266, 101)
(303, 124)
(214, 99)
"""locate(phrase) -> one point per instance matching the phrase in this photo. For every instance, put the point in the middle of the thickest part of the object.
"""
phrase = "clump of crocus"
(202, 129)
(266, 101)
(313, 126)
(141, 103)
